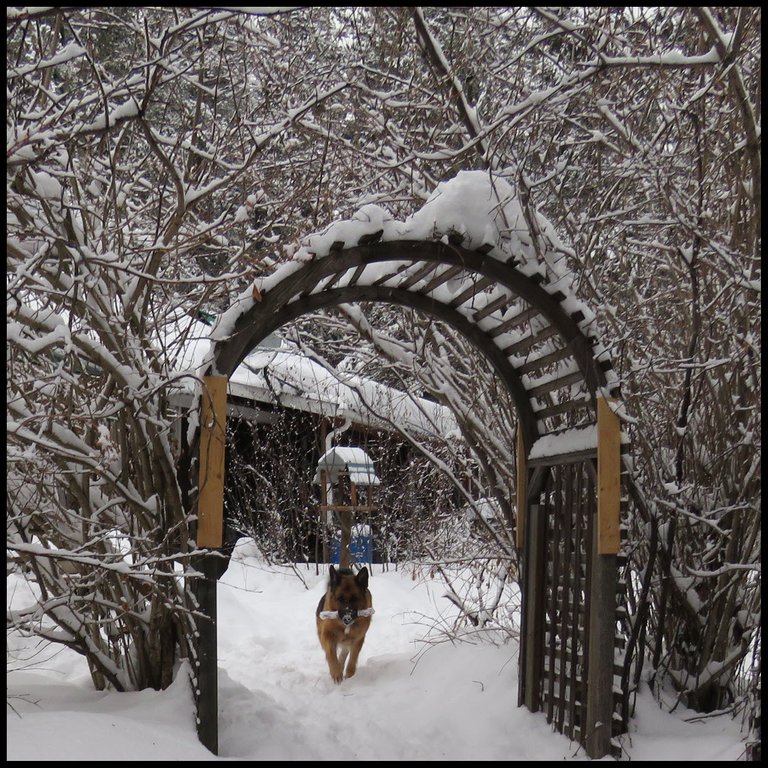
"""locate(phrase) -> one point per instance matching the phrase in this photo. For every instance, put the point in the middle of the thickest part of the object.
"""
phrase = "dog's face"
(348, 592)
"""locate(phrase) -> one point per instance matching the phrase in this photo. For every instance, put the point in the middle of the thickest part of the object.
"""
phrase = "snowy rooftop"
(485, 508)
(277, 374)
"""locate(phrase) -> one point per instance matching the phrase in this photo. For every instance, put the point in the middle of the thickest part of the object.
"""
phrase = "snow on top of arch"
(367, 220)
(483, 208)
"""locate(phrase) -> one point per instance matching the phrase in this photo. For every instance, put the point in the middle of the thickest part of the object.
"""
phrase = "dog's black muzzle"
(347, 615)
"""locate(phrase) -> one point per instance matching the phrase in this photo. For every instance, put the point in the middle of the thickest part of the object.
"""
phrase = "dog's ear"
(362, 578)
(334, 577)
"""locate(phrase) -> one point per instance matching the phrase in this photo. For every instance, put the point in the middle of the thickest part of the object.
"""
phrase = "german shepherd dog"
(343, 616)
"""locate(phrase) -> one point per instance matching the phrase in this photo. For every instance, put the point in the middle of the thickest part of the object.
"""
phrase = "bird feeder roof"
(354, 461)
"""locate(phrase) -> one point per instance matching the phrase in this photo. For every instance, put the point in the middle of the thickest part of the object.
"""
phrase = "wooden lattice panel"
(568, 510)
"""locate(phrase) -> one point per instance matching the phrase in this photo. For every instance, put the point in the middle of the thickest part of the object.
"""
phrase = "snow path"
(408, 701)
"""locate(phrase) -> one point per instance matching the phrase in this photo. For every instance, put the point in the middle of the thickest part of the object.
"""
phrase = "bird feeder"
(343, 472)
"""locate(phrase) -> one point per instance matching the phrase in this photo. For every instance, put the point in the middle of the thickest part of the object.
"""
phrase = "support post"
(602, 629)
(207, 693)
(606, 543)
(210, 504)
(325, 515)
(210, 527)
(521, 489)
(345, 519)
(608, 479)
(345, 554)
(534, 608)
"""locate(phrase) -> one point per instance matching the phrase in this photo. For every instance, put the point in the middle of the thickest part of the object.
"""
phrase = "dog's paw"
(337, 677)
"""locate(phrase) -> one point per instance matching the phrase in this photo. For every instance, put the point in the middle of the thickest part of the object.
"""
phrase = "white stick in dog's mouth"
(365, 612)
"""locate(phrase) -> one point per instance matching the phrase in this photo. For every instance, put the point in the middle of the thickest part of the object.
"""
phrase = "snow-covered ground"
(408, 701)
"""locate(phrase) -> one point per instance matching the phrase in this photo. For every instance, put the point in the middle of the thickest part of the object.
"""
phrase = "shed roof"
(485, 508)
(277, 373)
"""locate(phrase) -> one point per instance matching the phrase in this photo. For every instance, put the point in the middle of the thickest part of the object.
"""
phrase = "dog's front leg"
(343, 653)
(355, 652)
(335, 667)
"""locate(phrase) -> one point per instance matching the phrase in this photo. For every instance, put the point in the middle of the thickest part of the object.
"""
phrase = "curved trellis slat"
(536, 346)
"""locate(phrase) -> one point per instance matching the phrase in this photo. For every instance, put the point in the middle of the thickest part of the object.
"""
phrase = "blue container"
(360, 549)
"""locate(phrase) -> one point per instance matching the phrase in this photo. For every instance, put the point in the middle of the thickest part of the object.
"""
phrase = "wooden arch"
(519, 321)
(526, 321)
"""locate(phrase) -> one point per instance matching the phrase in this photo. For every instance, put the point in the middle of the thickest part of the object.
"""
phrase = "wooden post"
(602, 629)
(521, 489)
(210, 527)
(602, 611)
(213, 419)
(534, 606)
(345, 557)
(207, 693)
(345, 517)
(609, 479)
(324, 501)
